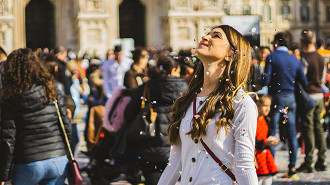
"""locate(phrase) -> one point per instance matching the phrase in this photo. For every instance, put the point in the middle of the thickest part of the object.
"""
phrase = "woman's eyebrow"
(217, 32)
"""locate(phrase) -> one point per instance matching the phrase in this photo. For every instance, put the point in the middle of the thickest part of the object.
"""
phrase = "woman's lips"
(203, 45)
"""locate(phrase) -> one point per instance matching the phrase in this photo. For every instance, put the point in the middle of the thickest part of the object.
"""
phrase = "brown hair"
(262, 100)
(307, 36)
(21, 71)
(235, 74)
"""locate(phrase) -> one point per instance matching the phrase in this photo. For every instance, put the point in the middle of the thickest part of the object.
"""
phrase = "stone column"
(19, 23)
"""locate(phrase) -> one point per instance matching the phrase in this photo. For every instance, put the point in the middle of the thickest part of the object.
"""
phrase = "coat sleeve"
(7, 143)
(245, 121)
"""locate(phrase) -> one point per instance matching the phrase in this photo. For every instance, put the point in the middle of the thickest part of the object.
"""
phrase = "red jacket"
(265, 160)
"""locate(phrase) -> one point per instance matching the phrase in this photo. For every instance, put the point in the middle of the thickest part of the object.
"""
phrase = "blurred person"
(186, 64)
(64, 75)
(75, 88)
(322, 51)
(51, 63)
(96, 96)
(3, 57)
(320, 48)
(282, 72)
(263, 52)
(216, 112)
(110, 55)
(312, 130)
(266, 165)
(259, 68)
(165, 86)
(114, 70)
(136, 75)
(32, 150)
(296, 50)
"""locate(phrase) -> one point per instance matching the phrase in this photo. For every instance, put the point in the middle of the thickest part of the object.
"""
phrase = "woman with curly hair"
(31, 150)
(213, 124)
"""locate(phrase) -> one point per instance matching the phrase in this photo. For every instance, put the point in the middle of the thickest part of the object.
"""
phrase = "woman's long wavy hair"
(236, 73)
(21, 71)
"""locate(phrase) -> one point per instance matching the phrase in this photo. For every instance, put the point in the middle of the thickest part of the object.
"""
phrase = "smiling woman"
(225, 121)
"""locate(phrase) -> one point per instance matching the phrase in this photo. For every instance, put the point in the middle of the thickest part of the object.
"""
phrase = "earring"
(227, 58)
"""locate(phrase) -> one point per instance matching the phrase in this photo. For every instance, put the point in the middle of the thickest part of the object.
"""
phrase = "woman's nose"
(206, 37)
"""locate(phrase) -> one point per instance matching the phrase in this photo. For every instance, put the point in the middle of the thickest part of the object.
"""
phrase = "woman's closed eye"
(215, 34)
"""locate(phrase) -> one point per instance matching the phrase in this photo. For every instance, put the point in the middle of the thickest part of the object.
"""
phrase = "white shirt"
(114, 73)
(235, 150)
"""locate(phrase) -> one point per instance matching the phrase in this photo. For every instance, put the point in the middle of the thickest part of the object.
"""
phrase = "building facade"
(93, 25)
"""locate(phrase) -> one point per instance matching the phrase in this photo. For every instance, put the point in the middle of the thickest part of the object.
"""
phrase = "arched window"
(267, 16)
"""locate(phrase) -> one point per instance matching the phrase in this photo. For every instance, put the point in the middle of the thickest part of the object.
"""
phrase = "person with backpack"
(164, 88)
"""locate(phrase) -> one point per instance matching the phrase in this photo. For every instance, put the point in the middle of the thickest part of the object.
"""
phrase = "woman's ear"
(227, 58)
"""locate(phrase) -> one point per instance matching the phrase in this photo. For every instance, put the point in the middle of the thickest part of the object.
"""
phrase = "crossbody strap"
(63, 130)
(223, 167)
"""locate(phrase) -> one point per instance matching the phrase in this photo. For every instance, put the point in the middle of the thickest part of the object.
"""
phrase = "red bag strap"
(223, 167)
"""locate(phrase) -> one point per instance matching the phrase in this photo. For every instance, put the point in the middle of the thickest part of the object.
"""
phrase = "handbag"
(74, 176)
(144, 125)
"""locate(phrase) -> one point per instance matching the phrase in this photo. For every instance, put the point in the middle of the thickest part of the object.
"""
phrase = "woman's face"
(144, 58)
(214, 46)
(263, 54)
(264, 109)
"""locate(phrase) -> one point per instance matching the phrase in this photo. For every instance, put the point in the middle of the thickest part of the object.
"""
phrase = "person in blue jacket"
(282, 72)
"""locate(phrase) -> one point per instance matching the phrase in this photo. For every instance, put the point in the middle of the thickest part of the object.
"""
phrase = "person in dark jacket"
(282, 72)
(165, 87)
(32, 150)
(64, 75)
(137, 74)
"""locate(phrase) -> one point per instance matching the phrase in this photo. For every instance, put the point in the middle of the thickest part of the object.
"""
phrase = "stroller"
(109, 157)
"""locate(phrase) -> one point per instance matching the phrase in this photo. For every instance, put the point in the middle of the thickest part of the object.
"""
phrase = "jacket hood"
(30, 101)
(166, 90)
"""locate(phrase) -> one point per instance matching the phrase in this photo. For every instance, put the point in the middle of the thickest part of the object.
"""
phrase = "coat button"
(193, 160)
(195, 141)
(190, 179)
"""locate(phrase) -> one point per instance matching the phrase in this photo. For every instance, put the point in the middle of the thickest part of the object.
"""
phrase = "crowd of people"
(289, 106)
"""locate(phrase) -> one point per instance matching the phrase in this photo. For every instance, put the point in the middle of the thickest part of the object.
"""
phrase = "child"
(266, 164)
